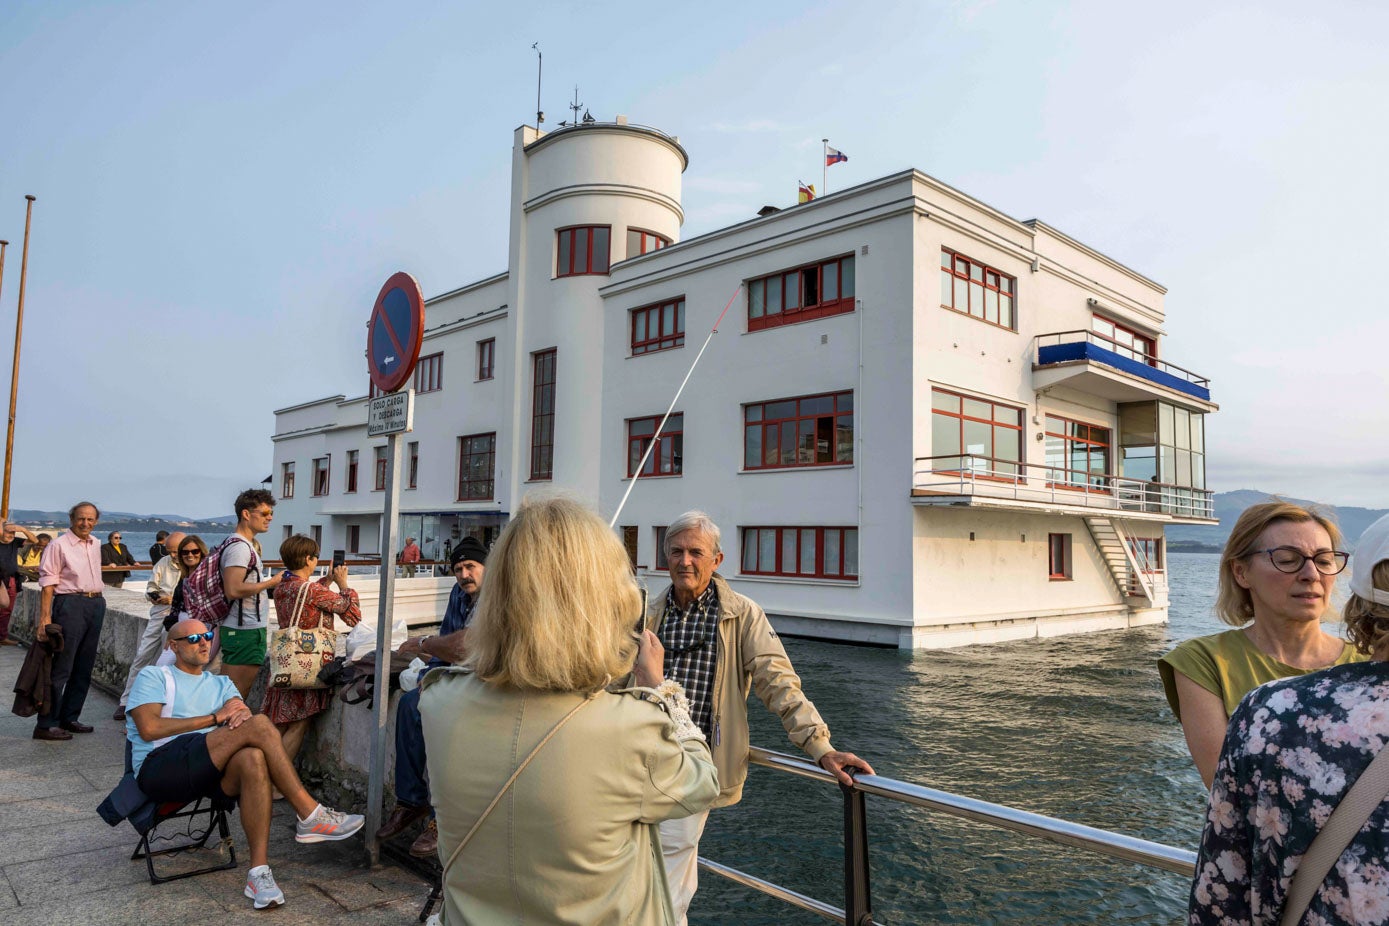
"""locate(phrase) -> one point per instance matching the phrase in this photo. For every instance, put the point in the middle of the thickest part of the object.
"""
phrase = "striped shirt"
(689, 636)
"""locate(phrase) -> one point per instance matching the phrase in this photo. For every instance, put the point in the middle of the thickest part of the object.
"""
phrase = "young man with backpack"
(244, 628)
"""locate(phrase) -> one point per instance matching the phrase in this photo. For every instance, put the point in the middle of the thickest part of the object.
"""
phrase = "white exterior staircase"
(1142, 584)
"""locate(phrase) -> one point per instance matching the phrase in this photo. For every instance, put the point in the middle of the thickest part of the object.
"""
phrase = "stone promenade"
(61, 864)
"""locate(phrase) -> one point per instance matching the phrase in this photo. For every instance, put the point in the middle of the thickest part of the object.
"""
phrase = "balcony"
(1093, 363)
(979, 482)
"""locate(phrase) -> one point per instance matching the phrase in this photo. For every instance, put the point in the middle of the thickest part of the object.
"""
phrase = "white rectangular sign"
(391, 414)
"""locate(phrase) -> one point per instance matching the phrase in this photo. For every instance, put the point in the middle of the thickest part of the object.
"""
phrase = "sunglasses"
(196, 637)
(193, 551)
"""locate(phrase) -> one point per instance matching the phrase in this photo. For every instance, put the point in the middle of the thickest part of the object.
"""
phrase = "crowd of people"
(558, 663)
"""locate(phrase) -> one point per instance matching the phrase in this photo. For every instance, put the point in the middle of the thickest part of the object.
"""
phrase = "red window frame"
(645, 241)
(975, 289)
(1074, 435)
(287, 480)
(760, 560)
(543, 414)
(668, 457)
(770, 306)
(429, 373)
(661, 561)
(578, 253)
(351, 485)
(1059, 557)
(412, 465)
(767, 425)
(486, 358)
(477, 462)
(1124, 340)
(1151, 548)
(380, 453)
(630, 533)
(316, 532)
(322, 471)
(660, 326)
(354, 538)
(996, 472)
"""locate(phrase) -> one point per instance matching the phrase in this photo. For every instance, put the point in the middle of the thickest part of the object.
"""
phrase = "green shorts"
(243, 647)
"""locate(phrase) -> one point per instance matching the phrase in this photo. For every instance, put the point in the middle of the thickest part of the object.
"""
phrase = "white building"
(921, 423)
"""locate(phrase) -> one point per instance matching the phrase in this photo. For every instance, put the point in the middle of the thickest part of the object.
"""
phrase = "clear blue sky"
(222, 189)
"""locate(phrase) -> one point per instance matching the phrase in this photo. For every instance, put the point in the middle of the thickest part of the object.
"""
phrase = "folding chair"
(216, 813)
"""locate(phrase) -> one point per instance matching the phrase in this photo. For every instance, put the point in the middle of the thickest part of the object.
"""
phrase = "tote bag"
(297, 655)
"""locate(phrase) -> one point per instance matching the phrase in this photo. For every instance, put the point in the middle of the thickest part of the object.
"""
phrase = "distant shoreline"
(1192, 546)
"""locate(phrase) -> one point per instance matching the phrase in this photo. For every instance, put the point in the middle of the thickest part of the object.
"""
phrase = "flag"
(807, 193)
(834, 156)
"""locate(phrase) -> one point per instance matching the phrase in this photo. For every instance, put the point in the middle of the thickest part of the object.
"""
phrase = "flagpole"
(825, 167)
(14, 372)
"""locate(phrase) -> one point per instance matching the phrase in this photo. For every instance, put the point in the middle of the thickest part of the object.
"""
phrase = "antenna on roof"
(539, 69)
(576, 105)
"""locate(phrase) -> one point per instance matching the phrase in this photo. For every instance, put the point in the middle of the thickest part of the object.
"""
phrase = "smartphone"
(339, 557)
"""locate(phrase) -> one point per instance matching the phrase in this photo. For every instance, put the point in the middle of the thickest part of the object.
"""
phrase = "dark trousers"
(411, 776)
(12, 587)
(81, 619)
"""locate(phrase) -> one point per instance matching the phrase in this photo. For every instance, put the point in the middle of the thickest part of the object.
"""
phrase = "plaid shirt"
(690, 638)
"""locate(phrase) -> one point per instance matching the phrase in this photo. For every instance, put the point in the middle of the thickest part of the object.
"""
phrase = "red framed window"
(978, 290)
(639, 241)
(354, 538)
(429, 373)
(658, 327)
(477, 461)
(1148, 552)
(1124, 340)
(316, 532)
(801, 294)
(1077, 453)
(812, 430)
(486, 358)
(804, 552)
(380, 468)
(582, 250)
(661, 561)
(320, 475)
(975, 435)
(543, 415)
(1058, 557)
(286, 480)
(629, 543)
(351, 471)
(668, 457)
(412, 467)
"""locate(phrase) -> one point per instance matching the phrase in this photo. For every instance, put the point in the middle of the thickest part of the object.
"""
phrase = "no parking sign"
(395, 332)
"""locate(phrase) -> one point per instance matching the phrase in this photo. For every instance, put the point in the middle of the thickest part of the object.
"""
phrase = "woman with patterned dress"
(1294, 748)
(291, 709)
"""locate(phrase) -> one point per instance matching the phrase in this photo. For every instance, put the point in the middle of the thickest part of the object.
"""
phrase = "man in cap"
(469, 561)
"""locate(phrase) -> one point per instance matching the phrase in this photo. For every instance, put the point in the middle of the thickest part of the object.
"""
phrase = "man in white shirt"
(160, 591)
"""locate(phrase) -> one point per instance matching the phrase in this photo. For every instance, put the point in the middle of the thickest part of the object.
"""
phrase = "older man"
(160, 592)
(718, 644)
(71, 597)
(192, 736)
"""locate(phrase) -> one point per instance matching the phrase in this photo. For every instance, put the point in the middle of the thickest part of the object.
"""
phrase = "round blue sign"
(395, 332)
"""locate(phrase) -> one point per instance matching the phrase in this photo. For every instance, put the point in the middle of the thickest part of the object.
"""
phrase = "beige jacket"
(574, 839)
(750, 656)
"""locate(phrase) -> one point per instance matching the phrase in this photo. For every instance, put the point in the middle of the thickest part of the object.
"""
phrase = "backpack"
(203, 595)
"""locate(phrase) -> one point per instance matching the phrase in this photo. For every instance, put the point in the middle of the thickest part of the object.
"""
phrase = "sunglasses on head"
(196, 637)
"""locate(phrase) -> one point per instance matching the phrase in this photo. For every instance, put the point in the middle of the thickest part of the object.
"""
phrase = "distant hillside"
(122, 520)
(1229, 506)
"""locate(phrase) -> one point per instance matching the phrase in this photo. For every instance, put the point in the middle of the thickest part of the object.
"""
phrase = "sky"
(223, 188)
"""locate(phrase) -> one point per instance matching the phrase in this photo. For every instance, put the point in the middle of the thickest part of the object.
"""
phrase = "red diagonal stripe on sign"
(390, 332)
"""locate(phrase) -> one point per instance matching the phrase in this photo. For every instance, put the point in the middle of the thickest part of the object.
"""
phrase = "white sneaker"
(262, 889)
(326, 825)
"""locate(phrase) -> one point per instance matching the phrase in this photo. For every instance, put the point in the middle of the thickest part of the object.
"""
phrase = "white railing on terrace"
(967, 474)
(1055, 338)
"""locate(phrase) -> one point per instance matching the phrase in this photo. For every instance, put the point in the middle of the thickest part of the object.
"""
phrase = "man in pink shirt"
(71, 598)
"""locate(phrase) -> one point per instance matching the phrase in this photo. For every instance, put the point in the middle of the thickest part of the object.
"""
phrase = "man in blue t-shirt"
(192, 736)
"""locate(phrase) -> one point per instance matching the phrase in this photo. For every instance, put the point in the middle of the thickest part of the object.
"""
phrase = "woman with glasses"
(1276, 575)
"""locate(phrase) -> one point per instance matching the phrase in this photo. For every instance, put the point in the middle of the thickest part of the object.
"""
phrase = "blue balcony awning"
(1081, 350)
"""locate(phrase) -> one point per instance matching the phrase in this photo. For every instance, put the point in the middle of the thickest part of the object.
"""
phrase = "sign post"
(395, 332)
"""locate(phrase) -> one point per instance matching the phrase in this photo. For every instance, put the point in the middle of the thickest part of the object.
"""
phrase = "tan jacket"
(574, 840)
(750, 656)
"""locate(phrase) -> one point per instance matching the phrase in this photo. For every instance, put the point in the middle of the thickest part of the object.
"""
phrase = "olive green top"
(1230, 665)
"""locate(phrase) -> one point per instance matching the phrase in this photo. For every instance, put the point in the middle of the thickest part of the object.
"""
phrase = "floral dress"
(1293, 749)
(286, 705)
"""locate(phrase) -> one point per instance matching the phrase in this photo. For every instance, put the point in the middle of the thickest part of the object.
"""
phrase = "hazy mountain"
(112, 519)
(1229, 506)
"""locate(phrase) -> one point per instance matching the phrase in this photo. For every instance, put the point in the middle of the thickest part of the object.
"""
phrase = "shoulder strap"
(1345, 822)
(453, 856)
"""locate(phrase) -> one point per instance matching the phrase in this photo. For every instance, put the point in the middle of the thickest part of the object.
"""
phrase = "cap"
(1370, 551)
(469, 548)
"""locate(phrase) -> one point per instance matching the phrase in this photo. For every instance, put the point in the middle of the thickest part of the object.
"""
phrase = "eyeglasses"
(1291, 560)
(196, 637)
(194, 551)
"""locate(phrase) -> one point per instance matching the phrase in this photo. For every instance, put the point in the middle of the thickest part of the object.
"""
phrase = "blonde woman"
(574, 839)
(1276, 575)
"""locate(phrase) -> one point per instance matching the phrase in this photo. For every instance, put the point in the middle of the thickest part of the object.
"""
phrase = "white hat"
(1372, 550)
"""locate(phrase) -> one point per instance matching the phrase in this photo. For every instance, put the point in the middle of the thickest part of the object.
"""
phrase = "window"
(486, 358)
(413, 468)
(658, 327)
(286, 480)
(813, 430)
(668, 457)
(477, 458)
(661, 562)
(543, 416)
(974, 289)
(320, 476)
(582, 250)
(1077, 453)
(288, 532)
(1181, 446)
(1123, 340)
(802, 294)
(639, 242)
(429, 373)
(316, 532)
(975, 435)
(354, 538)
(1147, 551)
(629, 543)
(380, 468)
(351, 471)
(1058, 557)
(807, 552)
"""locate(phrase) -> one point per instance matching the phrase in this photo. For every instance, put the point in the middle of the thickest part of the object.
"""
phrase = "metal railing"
(968, 474)
(858, 907)
(1057, 338)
